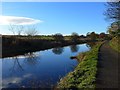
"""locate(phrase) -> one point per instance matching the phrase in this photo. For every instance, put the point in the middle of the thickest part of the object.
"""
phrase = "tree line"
(112, 13)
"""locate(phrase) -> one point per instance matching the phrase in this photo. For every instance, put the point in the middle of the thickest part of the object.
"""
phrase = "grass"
(114, 43)
(84, 75)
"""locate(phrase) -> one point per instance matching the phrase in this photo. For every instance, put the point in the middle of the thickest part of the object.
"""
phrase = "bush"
(74, 37)
(58, 37)
(114, 43)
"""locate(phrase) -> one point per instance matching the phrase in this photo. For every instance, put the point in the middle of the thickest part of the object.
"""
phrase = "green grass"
(114, 43)
(84, 75)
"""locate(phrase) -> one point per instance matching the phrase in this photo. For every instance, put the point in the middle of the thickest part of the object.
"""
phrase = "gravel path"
(107, 75)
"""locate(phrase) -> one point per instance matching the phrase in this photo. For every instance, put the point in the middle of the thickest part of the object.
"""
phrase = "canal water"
(42, 69)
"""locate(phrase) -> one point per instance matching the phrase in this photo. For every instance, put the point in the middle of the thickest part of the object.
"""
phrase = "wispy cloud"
(14, 80)
(7, 20)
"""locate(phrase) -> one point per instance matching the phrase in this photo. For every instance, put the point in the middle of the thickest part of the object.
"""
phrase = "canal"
(42, 69)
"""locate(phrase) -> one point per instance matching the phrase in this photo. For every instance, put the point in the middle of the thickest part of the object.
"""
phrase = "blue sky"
(62, 17)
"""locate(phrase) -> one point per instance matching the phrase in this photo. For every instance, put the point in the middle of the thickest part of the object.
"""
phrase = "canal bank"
(84, 75)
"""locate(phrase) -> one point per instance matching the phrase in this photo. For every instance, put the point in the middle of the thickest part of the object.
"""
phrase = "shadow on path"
(107, 75)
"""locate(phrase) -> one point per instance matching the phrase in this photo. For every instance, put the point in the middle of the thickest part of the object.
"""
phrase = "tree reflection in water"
(16, 65)
(74, 48)
(58, 50)
(90, 44)
(31, 58)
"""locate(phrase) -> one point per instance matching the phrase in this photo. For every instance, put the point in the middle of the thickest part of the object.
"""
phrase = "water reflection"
(31, 58)
(16, 65)
(19, 76)
(74, 48)
(90, 44)
(34, 70)
(58, 50)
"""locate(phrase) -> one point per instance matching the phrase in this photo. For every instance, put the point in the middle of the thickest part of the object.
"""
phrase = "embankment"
(84, 75)
(115, 43)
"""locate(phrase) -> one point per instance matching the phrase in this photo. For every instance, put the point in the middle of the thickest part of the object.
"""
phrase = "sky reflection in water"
(39, 69)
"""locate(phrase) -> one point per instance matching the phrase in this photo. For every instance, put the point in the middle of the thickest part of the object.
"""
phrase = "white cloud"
(7, 20)
(6, 82)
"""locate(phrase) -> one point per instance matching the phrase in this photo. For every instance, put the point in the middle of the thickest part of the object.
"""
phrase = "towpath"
(107, 75)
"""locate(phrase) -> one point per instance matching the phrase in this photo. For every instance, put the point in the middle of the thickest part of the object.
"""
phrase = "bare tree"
(113, 11)
(16, 29)
(31, 31)
(12, 28)
(20, 29)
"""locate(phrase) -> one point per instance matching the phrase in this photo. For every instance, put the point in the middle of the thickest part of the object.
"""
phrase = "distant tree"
(31, 31)
(16, 29)
(102, 35)
(88, 35)
(58, 37)
(82, 36)
(74, 37)
(20, 29)
(93, 36)
(12, 28)
(97, 35)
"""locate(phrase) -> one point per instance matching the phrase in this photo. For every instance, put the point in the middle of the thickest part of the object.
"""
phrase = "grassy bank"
(84, 75)
(115, 43)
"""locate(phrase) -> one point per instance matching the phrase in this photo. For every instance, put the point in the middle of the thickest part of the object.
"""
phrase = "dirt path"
(107, 75)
